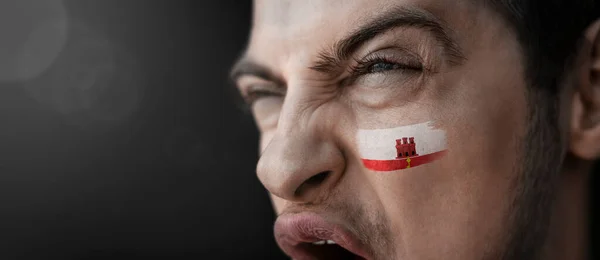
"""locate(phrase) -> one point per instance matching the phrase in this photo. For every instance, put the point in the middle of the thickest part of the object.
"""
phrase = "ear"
(585, 110)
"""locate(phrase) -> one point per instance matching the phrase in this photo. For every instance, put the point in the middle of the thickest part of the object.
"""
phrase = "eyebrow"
(331, 60)
(247, 66)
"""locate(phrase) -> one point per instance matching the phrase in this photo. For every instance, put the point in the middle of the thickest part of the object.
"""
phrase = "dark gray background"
(129, 146)
(91, 171)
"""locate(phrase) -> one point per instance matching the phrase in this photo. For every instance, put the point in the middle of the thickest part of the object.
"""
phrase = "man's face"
(319, 73)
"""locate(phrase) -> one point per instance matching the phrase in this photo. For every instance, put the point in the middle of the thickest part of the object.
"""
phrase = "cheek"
(462, 200)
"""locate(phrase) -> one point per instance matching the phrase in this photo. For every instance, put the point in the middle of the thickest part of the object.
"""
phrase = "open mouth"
(308, 236)
(326, 250)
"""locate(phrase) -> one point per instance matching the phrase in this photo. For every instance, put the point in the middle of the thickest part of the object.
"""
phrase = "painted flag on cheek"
(401, 148)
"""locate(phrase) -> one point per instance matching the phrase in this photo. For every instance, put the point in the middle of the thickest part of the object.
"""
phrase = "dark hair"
(549, 32)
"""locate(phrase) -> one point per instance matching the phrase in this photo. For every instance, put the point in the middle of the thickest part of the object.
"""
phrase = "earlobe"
(585, 105)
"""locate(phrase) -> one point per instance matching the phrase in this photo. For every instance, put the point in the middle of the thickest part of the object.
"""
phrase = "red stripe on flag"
(401, 164)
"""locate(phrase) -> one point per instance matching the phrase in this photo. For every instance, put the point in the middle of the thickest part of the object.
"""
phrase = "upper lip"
(294, 230)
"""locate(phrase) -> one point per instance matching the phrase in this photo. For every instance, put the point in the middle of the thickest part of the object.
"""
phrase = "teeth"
(322, 242)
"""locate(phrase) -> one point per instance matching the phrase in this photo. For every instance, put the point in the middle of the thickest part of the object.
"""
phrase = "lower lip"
(314, 228)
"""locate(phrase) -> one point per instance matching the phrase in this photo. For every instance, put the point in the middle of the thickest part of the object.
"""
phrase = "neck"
(568, 234)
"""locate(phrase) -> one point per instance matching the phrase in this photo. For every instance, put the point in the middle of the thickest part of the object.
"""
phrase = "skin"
(468, 205)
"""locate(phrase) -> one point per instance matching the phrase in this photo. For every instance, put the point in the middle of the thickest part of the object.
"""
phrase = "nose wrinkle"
(301, 160)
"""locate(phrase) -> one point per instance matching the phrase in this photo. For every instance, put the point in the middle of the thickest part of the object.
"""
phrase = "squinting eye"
(383, 66)
(255, 94)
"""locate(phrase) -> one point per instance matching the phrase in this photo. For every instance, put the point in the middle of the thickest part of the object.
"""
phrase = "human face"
(318, 73)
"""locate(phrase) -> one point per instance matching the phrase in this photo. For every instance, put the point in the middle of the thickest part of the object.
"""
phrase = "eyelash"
(360, 68)
(365, 66)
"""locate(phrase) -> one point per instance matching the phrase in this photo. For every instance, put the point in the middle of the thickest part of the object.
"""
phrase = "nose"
(301, 164)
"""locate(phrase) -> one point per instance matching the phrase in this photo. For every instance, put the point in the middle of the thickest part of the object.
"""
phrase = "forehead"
(282, 28)
(287, 12)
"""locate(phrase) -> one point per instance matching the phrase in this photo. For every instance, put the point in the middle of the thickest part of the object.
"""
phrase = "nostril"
(312, 183)
(317, 179)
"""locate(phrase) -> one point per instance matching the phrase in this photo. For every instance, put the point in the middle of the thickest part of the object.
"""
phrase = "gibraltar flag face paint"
(401, 148)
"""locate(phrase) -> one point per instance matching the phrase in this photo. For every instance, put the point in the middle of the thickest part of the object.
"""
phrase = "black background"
(174, 179)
